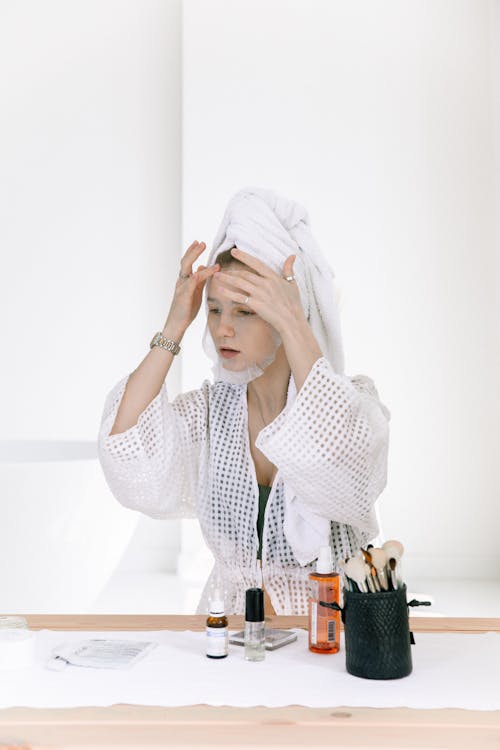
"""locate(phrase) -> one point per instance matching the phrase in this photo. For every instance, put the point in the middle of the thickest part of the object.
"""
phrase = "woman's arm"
(154, 465)
(331, 445)
(301, 348)
(144, 383)
(150, 449)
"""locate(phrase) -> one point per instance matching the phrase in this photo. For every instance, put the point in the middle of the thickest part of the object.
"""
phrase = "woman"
(282, 453)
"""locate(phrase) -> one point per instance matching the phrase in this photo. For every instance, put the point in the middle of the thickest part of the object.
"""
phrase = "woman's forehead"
(215, 293)
(214, 285)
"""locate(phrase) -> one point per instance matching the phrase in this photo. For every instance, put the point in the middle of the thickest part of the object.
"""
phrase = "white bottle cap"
(217, 604)
(324, 563)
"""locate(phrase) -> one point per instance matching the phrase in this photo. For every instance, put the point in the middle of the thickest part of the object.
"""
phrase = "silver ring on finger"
(289, 278)
(245, 301)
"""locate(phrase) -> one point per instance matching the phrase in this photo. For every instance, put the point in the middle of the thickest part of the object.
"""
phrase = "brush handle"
(375, 579)
(382, 577)
(371, 583)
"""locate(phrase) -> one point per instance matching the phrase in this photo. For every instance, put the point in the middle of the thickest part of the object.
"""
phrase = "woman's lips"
(228, 353)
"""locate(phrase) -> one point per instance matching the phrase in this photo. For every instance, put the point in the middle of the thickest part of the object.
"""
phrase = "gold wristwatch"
(160, 340)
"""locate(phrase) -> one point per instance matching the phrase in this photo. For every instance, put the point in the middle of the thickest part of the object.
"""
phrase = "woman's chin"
(230, 364)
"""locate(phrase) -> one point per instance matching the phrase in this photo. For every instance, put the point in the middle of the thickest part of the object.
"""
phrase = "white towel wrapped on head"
(272, 227)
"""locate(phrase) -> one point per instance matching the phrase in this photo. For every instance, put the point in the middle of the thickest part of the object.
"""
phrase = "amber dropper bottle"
(217, 635)
(324, 623)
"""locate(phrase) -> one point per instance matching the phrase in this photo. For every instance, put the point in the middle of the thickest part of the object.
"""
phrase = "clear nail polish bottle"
(255, 640)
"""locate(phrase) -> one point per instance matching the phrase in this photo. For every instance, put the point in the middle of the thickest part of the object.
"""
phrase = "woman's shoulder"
(323, 367)
(360, 384)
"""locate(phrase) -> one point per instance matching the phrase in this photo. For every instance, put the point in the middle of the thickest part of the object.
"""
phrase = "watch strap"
(160, 340)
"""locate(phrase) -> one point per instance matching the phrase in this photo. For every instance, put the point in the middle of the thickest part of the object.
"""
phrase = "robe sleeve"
(331, 446)
(154, 466)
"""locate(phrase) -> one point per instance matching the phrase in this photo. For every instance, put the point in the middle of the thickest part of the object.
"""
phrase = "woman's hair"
(225, 258)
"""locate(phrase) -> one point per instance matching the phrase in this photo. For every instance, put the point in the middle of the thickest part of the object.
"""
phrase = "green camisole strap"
(264, 491)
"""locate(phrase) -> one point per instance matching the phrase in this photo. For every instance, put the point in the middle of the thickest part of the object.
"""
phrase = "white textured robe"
(191, 458)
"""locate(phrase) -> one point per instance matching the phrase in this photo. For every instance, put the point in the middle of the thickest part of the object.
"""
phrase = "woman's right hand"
(188, 292)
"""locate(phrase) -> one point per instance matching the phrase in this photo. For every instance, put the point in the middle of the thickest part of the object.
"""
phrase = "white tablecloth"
(450, 670)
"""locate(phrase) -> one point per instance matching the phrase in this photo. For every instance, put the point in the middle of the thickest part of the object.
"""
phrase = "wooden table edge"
(37, 621)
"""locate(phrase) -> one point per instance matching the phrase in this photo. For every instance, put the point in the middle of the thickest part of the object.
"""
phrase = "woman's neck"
(268, 392)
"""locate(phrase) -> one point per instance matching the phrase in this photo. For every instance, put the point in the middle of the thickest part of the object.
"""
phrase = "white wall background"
(90, 204)
(126, 126)
(382, 118)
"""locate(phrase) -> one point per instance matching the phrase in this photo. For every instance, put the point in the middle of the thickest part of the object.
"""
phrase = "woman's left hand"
(275, 299)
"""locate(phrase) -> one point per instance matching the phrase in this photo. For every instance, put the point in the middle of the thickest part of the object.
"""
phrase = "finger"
(288, 265)
(235, 296)
(203, 272)
(243, 278)
(193, 251)
(214, 267)
(235, 281)
(199, 247)
(210, 271)
(253, 262)
(197, 274)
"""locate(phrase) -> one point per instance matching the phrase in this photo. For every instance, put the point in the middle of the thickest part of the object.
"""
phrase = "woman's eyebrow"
(212, 299)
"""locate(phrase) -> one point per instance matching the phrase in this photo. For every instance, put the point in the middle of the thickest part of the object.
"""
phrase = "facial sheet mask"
(100, 653)
(249, 372)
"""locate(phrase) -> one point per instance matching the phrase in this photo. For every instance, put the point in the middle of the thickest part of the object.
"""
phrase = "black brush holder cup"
(377, 633)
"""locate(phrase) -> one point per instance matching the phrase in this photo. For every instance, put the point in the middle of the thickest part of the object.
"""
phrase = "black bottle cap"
(254, 605)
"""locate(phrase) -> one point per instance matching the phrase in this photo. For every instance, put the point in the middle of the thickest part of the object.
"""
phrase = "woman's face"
(235, 326)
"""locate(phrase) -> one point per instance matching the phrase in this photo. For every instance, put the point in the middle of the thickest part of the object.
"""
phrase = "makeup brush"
(347, 583)
(373, 571)
(378, 587)
(355, 569)
(369, 578)
(392, 566)
(379, 560)
(347, 566)
(366, 555)
(395, 549)
(398, 571)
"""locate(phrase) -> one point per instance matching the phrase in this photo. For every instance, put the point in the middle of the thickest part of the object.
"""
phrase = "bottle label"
(330, 624)
(332, 631)
(217, 641)
(314, 622)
